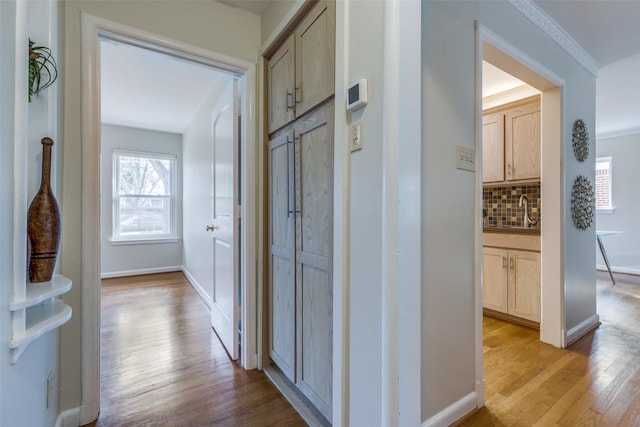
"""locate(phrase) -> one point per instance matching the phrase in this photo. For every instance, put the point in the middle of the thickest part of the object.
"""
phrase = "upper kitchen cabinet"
(517, 126)
(301, 73)
(493, 147)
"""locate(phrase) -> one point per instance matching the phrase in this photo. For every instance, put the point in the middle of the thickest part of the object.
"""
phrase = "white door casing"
(224, 308)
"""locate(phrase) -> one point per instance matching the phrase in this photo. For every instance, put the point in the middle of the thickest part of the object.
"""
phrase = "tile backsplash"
(501, 204)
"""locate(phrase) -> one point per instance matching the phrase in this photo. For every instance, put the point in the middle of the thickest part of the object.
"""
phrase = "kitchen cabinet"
(511, 280)
(511, 142)
(301, 72)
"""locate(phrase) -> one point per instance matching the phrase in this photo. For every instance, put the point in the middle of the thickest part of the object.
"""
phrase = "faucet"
(527, 219)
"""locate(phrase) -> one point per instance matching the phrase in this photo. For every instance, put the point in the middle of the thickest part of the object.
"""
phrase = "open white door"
(225, 310)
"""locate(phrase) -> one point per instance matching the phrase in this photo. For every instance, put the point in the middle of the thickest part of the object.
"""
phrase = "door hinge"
(238, 211)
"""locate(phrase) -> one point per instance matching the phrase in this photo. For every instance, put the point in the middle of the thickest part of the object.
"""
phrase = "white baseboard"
(624, 270)
(453, 413)
(579, 331)
(140, 271)
(199, 289)
(69, 418)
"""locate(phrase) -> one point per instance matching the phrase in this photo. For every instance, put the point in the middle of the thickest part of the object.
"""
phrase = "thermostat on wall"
(357, 95)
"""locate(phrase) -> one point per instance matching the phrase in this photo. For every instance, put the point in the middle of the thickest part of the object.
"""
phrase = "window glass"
(144, 199)
(603, 183)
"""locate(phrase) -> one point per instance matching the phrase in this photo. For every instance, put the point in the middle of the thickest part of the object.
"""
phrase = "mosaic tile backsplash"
(501, 204)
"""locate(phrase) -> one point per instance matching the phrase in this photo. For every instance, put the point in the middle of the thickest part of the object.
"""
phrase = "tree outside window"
(144, 196)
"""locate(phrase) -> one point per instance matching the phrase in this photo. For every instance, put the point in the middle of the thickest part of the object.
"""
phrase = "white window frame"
(606, 209)
(117, 238)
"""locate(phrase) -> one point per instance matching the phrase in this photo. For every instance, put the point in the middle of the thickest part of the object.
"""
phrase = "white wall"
(23, 385)
(198, 190)
(129, 259)
(208, 25)
(448, 194)
(622, 249)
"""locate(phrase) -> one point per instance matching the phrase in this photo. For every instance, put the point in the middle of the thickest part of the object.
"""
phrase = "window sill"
(606, 211)
(144, 241)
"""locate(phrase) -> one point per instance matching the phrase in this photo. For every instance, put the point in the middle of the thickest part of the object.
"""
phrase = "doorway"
(501, 54)
(93, 30)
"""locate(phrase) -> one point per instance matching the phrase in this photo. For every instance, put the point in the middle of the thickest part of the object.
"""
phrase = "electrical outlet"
(356, 136)
(49, 389)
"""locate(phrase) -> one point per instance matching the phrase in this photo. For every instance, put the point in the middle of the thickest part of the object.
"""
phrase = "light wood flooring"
(162, 365)
(594, 382)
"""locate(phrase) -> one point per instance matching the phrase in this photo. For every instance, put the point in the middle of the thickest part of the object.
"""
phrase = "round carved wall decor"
(580, 140)
(582, 202)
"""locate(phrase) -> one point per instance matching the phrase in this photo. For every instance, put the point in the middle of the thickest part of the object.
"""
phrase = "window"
(603, 184)
(144, 201)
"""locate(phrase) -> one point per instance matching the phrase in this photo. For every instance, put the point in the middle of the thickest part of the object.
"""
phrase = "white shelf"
(39, 292)
(38, 313)
(40, 320)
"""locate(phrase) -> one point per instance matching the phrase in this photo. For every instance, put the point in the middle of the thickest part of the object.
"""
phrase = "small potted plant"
(43, 70)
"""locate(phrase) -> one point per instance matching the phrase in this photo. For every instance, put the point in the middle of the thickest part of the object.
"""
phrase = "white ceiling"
(609, 31)
(148, 90)
(143, 89)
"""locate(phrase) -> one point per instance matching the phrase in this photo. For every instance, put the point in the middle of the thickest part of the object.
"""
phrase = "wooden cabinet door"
(523, 142)
(313, 150)
(280, 86)
(315, 57)
(494, 279)
(493, 147)
(524, 284)
(282, 297)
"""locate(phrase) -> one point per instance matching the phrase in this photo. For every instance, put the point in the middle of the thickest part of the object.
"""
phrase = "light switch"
(356, 136)
(465, 158)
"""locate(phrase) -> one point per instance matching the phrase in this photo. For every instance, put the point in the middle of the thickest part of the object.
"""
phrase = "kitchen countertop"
(512, 230)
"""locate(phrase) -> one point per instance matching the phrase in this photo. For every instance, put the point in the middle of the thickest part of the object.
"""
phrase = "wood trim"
(514, 104)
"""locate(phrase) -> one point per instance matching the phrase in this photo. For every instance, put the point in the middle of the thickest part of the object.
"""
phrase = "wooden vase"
(43, 224)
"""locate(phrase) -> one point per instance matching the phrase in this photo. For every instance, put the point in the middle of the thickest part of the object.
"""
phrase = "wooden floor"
(163, 366)
(595, 382)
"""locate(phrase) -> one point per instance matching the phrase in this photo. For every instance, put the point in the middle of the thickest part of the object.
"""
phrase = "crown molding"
(543, 21)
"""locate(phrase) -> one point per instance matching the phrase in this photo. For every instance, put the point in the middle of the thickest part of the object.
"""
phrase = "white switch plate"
(465, 158)
(356, 136)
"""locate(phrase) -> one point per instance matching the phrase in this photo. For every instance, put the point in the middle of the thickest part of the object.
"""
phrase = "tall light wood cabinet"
(300, 205)
(301, 73)
(511, 142)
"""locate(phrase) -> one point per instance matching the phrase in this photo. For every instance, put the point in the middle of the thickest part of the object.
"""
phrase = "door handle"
(211, 228)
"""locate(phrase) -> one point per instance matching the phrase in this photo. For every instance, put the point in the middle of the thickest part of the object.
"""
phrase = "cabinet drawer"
(512, 241)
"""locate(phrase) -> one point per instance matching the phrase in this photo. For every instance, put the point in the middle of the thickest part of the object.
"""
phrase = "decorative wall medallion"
(583, 202)
(580, 140)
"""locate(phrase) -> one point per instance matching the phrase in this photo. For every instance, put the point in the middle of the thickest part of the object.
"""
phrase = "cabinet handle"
(290, 183)
(509, 169)
(511, 262)
(289, 103)
(211, 228)
(504, 262)
(297, 90)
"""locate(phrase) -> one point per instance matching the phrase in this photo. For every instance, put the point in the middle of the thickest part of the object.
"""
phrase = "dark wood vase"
(43, 224)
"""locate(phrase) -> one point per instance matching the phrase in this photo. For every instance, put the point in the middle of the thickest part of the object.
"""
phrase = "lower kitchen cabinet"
(511, 282)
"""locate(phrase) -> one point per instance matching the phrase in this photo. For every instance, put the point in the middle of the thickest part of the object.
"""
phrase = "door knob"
(211, 227)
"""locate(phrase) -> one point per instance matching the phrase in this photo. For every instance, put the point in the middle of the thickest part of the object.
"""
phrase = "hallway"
(595, 382)
(162, 364)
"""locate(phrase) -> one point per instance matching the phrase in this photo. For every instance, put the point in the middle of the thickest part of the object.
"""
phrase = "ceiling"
(147, 90)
